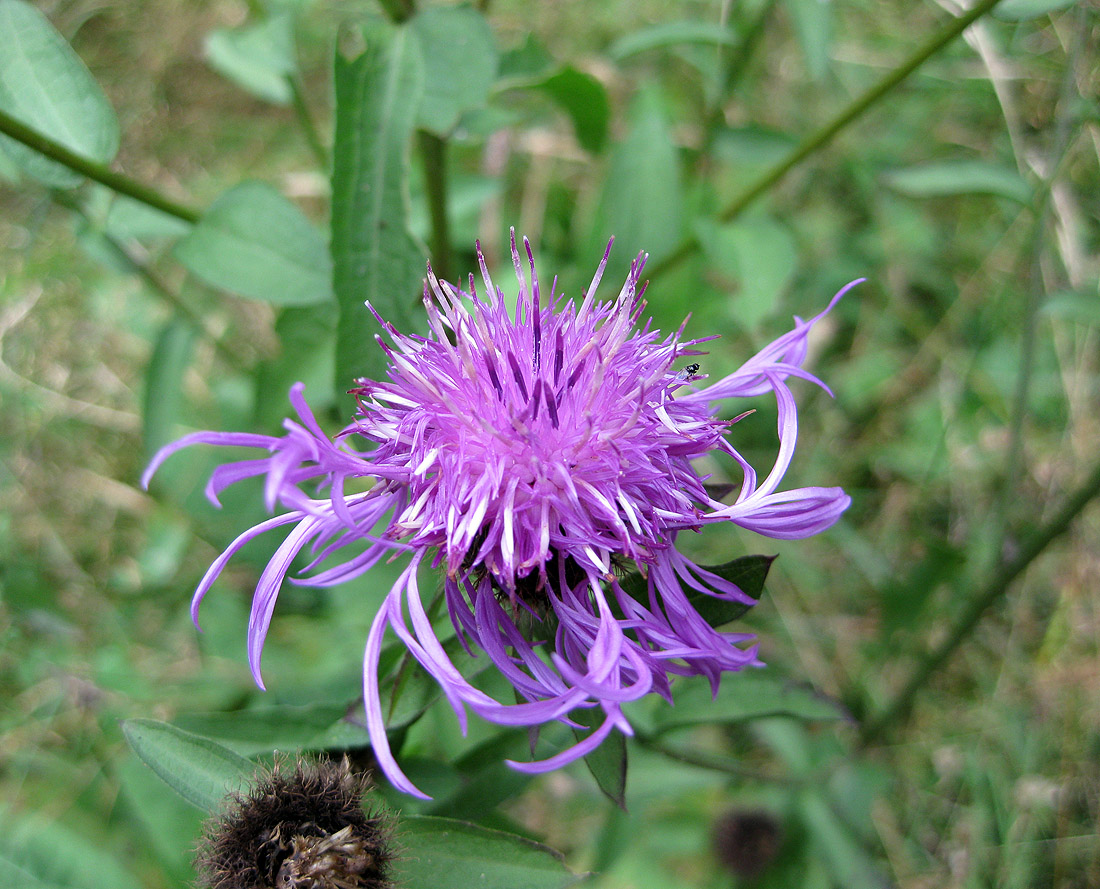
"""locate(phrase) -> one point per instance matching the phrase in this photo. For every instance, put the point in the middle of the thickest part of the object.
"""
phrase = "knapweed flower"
(535, 454)
(298, 827)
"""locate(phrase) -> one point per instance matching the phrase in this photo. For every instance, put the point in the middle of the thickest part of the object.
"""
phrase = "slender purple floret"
(536, 456)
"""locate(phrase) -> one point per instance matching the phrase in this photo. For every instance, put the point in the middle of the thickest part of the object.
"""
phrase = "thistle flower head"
(298, 828)
(535, 454)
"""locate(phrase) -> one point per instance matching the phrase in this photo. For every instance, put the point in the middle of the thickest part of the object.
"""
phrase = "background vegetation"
(953, 613)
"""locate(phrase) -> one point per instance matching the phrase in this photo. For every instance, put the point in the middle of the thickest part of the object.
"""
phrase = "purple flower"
(536, 455)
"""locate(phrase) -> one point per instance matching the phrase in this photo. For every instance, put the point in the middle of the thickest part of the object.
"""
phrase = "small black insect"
(692, 369)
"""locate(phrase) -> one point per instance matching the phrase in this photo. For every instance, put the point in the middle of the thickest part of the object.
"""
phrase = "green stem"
(95, 171)
(826, 133)
(305, 120)
(433, 152)
(994, 590)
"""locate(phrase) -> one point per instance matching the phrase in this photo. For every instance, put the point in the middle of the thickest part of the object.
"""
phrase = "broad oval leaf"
(256, 243)
(460, 63)
(441, 853)
(46, 86)
(202, 771)
(960, 177)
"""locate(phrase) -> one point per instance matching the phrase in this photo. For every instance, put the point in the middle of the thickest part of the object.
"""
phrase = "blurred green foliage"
(965, 410)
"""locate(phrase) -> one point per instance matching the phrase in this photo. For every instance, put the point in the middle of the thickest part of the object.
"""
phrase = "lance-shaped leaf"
(374, 257)
(202, 771)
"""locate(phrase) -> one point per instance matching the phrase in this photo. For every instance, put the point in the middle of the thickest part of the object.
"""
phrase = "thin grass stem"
(827, 132)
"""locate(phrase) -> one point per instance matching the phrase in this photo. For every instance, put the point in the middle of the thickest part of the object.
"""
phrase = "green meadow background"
(929, 716)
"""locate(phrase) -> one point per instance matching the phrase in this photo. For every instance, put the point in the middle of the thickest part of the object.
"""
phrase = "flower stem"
(95, 171)
(825, 134)
(433, 152)
(305, 120)
(994, 590)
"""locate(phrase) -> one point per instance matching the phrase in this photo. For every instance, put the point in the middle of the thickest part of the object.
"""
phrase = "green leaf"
(202, 771)
(46, 86)
(258, 58)
(254, 242)
(641, 204)
(1023, 10)
(264, 729)
(747, 572)
(668, 34)
(759, 257)
(750, 694)
(36, 853)
(171, 826)
(607, 763)
(441, 853)
(584, 99)
(813, 24)
(307, 353)
(460, 64)
(1080, 306)
(374, 256)
(164, 382)
(960, 177)
(128, 218)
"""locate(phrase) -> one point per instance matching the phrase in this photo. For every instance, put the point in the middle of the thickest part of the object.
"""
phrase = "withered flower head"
(300, 827)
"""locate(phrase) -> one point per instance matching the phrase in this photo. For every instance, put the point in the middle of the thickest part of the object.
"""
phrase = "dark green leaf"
(960, 177)
(202, 771)
(607, 763)
(750, 694)
(529, 59)
(460, 64)
(374, 257)
(670, 33)
(440, 853)
(46, 86)
(258, 58)
(486, 779)
(164, 383)
(747, 572)
(1022, 10)
(254, 242)
(584, 99)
